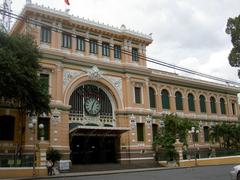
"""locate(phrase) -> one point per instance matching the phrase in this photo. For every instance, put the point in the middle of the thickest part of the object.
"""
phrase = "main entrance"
(94, 137)
(93, 149)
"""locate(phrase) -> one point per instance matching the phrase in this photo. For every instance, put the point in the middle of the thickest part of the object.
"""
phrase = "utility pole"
(5, 16)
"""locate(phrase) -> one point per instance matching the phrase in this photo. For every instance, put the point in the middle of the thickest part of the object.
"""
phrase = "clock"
(92, 106)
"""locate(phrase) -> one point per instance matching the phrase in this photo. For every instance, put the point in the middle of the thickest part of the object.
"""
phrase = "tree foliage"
(228, 135)
(233, 28)
(53, 155)
(19, 80)
(175, 128)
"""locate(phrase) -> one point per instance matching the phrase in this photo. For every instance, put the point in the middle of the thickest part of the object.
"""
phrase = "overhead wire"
(32, 21)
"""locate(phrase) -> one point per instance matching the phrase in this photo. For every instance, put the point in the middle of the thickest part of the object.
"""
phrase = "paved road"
(199, 173)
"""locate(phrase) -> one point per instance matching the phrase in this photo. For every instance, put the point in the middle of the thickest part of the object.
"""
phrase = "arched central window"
(191, 105)
(179, 101)
(222, 105)
(202, 103)
(90, 100)
(152, 98)
(213, 105)
(165, 99)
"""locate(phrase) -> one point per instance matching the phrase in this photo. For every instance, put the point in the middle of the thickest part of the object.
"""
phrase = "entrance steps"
(111, 166)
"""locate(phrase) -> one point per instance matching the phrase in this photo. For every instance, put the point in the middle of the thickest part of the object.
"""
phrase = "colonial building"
(106, 103)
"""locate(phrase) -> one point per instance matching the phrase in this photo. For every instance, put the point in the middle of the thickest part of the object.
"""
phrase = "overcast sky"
(187, 33)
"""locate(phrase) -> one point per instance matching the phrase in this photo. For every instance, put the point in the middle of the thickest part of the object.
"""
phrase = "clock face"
(92, 106)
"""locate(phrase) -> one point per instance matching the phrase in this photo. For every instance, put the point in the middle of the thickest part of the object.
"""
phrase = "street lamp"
(32, 126)
(193, 132)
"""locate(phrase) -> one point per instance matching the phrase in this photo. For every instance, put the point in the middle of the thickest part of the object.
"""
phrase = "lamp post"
(193, 132)
(32, 126)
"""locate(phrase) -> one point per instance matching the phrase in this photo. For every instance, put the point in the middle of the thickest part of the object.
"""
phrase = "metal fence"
(199, 154)
(14, 161)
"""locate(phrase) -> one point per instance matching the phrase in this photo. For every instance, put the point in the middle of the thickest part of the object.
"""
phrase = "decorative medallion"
(117, 83)
(95, 73)
(68, 75)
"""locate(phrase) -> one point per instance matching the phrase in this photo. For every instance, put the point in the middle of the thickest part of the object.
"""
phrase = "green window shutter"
(213, 105)
(117, 51)
(222, 105)
(45, 34)
(135, 54)
(138, 95)
(233, 109)
(206, 133)
(80, 43)
(140, 131)
(154, 131)
(191, 105)
(44, 78)
(165, 99)
(202, 104)
(179, 101)
(152, 98)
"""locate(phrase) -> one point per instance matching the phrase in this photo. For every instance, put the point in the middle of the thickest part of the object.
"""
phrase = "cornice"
(86, 22)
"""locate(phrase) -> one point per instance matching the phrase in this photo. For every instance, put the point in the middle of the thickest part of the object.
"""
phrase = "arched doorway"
(94, 137)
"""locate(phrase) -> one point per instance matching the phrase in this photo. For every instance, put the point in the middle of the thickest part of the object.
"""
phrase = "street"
(199, 173)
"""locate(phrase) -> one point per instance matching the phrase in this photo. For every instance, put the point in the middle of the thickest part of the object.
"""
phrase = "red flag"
(67, 2)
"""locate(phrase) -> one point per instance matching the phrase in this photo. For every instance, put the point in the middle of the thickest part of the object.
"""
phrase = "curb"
(94, 173)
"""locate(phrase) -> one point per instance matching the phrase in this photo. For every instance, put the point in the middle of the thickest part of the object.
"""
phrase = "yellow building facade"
(106, 103)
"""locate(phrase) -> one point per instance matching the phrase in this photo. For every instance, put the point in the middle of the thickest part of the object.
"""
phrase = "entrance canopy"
(97, 130)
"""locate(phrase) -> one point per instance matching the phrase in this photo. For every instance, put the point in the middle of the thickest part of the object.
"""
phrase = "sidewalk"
(94, 172)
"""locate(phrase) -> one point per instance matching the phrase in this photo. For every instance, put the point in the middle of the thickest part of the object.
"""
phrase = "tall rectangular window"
(154, 131)
(7, 128)
(233, 109)
(137, 95)
(80, 43)
(134, 54)
(44, 132)
(105, 49)
(93, 46)
(44, 78)
(66, 40)
(140, 132)
(45, 34)
(117, 51)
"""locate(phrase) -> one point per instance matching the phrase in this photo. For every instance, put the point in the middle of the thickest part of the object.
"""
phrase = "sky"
(186, 33)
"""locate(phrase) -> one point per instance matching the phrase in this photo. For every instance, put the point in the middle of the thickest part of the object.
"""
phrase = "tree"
(175, 128)
(227, 135)
(19, 78)
(233, 28)
(53, 155)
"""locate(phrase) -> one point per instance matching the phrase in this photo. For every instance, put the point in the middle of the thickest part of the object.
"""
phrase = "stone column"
(111, 51)
(179, 148)
(172, 103)
(99, 45)
(218, 109)
(87, 44)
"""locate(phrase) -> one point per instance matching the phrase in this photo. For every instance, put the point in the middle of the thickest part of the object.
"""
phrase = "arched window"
(222, 105)
(152, 98)
(213, 105)
(165, 99)
(191, 105)
(202, 104)
(179, 101)
(206, 133)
